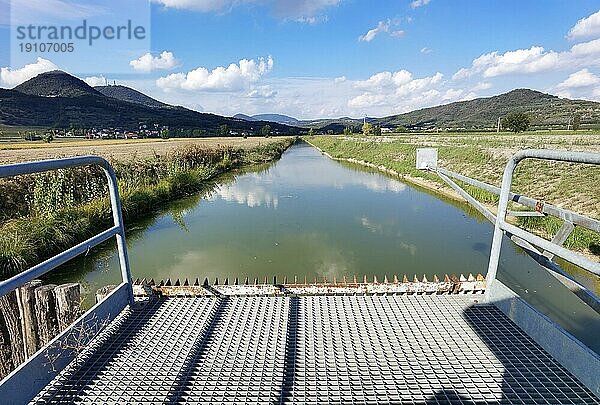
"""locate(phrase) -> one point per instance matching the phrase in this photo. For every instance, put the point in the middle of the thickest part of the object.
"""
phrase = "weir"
(443, 340)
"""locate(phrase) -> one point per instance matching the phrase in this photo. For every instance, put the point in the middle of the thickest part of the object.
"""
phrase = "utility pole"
(498, 126)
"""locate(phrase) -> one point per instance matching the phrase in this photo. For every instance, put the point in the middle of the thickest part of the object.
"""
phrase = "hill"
(58, 100)
(545, 110)
(278, 118)
(131, 95)
(244, 117)
(56, 84)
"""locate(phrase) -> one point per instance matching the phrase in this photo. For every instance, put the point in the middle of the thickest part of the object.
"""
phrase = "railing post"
(490, 276)
(115, 202)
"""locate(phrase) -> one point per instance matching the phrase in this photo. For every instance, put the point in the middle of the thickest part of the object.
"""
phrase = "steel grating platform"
(410, 349)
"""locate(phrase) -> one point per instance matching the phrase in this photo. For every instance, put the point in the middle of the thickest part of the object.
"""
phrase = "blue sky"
(329, 58)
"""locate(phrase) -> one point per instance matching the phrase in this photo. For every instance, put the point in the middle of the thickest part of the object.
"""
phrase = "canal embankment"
(483, 157)
(43, 214)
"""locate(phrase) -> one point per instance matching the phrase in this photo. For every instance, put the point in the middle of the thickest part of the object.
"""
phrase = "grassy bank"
(483, 157)
(43, 214)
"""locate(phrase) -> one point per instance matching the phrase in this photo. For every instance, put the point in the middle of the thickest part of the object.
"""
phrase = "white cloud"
(425, 50)
(264, 92)
(297, 10)
(481, 86)
(148, 63)
(452, 94)
(395, 92)
(318, 19)
(533, 60)
(419, 3)
(235, 77)
(382, 26)
(586, 27)
(13, 77)
(340, 79)
(385, 81)
(582, 78)
(95, 80)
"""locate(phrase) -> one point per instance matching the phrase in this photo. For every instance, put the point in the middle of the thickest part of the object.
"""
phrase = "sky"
(321, 58)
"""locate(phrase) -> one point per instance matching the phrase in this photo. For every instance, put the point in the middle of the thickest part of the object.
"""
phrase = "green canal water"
(307, 215)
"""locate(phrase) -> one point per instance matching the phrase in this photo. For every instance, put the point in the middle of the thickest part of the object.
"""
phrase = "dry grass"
(118, 149)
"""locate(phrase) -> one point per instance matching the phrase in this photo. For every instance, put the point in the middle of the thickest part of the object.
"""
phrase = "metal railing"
(117, 230)
(548, 246)
(427, 160)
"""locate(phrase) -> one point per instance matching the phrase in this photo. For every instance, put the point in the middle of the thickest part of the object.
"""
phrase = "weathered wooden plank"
(68, 308)
(45, 313)
(103, 292)
(26, 302)
(12, 323)
(6, 362)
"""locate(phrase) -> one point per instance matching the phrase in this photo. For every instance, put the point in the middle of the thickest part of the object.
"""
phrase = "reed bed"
(43, 214)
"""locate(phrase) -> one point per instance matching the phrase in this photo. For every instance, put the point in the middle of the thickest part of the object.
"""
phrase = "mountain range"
(279, 118)
(59, 100)
(544, 110)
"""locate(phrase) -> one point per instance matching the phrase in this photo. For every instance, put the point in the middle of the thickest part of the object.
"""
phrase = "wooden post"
(68, 300)
(26, 302)
(12, 326)
(6, 362)
(45, 312)
(103, 292)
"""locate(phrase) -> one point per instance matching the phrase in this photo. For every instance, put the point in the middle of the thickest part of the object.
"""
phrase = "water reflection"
(310, 216)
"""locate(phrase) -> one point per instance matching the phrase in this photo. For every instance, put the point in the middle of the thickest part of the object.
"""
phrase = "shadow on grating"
(417, 345)
(184, 377)
(69, 386)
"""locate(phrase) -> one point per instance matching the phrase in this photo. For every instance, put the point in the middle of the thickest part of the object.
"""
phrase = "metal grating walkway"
(419, 349)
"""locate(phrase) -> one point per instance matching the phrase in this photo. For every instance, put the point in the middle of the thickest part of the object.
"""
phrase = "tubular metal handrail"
(501, 224)
(541, 250)
(117, 230)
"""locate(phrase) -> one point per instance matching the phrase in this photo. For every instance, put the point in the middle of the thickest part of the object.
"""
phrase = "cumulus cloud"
(265, 92)
(419, 3)
(533, 60)
(148, 63)
(95, 80)
(13, 77)
(397, 91)
(382, 27)
(481, 86)
(235, 77)
(297, 10)
(586, 27)
(582, 78)
(340, 79)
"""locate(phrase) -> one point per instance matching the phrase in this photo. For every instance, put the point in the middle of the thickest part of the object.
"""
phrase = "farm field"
(119, 149)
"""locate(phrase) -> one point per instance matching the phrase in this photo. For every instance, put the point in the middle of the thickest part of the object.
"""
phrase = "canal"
(307, 215)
